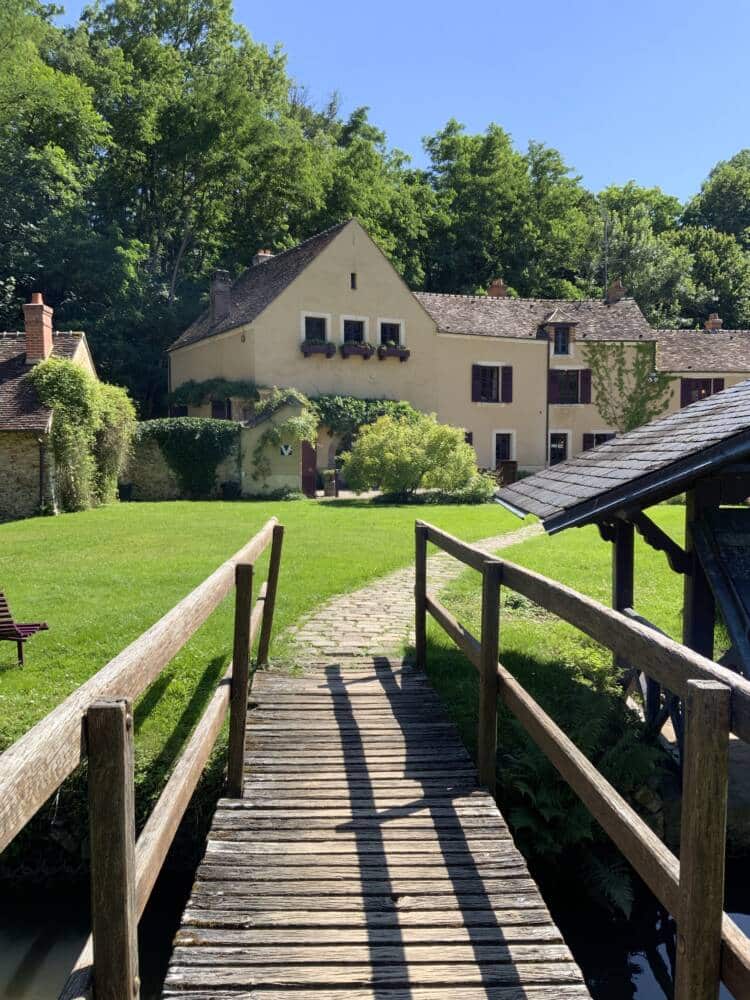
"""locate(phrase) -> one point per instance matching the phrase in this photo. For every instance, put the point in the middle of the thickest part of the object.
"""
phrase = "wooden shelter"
(702, 451)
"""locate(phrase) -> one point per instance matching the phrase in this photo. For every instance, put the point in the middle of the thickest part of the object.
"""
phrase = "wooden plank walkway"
(363, 861)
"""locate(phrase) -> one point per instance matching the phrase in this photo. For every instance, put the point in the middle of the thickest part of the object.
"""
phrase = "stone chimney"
(221, 286)
(261, 257)
(713, 323)
(37, 318)
(498, 289)
(615, 292)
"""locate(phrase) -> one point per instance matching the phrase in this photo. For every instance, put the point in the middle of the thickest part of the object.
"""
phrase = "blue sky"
(654, 91)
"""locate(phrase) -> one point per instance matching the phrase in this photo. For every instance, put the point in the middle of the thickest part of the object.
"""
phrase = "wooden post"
(243, 578)
(702, 840)
(271, 587)
(488, 683)
(114, 922)
(699, 612)
(420, 594)
(622, 571)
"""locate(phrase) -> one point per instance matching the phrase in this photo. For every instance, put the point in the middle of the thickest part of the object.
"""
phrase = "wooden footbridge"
(358, 854)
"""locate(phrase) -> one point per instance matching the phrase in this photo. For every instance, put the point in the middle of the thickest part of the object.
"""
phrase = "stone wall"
(19, 474)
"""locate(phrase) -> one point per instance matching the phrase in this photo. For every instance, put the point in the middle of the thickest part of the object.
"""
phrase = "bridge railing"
(710, 946)
(95, 723)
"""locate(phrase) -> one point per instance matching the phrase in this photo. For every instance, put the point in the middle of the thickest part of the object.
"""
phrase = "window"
(693, 389)
(468, 437)
(567, 385)
(491, 383)
(390, 333)
(221, 409)
(315, 329)
(594, 440)
(354, 331)
(353, 281)
(178, 411)
(558, 447)
(503, 447)
(562, 340)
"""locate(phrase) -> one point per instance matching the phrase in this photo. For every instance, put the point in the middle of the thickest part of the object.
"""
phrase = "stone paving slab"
(378, 619)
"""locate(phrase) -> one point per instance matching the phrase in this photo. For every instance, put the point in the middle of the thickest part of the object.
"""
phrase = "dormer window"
(562, 340)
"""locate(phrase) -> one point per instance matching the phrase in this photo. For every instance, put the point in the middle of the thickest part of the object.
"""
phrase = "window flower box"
(323, 347)
(393, 351)
(354, 349)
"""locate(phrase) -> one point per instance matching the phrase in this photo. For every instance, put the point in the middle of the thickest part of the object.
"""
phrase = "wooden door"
(309, 468)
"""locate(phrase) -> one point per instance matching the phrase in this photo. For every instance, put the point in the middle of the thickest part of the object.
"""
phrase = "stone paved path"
(378, 620)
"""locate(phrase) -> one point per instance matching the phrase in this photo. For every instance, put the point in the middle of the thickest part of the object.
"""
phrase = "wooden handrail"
(710, 945)
(34, 767)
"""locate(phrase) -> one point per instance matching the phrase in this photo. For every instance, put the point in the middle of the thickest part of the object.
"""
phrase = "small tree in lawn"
(628, 390)
(401, 456)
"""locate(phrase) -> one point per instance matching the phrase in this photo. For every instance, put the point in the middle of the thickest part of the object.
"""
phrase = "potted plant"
(361, 348)
(330, 485)
(324, 347)
(392, 350)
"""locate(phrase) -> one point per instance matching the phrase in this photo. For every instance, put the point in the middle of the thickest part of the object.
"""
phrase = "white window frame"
(359, 319)
(571, 343)
(313, 314)
(568, 434)
(401, 329)
(493, 438)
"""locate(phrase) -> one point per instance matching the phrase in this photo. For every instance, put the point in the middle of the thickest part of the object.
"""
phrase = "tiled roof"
(258, 286)
(695, 350)
(485, 316)
(20, 410)
(639, 467)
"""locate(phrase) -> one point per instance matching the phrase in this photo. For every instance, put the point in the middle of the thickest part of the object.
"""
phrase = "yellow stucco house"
(332, 315)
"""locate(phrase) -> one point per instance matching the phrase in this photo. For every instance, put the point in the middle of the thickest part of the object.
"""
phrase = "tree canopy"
(155, 140)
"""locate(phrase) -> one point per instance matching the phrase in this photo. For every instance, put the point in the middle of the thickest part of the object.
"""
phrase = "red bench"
(17, 632)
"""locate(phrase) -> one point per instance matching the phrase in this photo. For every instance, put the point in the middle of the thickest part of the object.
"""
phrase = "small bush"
(401, 455)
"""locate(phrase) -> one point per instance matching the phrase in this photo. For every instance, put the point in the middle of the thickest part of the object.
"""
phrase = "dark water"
(41, 935)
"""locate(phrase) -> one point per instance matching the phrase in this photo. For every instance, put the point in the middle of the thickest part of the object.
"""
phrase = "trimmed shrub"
(193, 447)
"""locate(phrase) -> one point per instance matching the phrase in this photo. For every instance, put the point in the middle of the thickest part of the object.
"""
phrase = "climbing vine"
(192, 447)
(92, 429)
(628, 390)
(302, 426)
(344, 415)
(194, 393)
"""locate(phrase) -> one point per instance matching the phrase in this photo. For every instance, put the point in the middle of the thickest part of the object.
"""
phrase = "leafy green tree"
(401, 456)
(627, 389)
(724, 199)
(721, 274)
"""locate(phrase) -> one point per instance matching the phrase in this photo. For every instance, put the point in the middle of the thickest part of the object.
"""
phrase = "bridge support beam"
(488, 680)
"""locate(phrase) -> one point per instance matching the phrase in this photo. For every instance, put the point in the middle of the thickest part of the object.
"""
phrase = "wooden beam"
(240, 678)
(703, 833)
(488, 685)
(272, 583)
(420, 594)
(114, 921)
(658, 539)
(622, 574)
(699, 610)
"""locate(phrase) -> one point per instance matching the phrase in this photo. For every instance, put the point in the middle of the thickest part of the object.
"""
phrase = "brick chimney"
(615, 292)
(37, 319)
(498, 289)
(262, 256)
(221, 286)
(713, 323)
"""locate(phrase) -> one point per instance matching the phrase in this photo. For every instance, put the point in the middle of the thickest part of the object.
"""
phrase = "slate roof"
(485, 316)
(20, 410)
(258, 286)
(645, 465)
(695, 350)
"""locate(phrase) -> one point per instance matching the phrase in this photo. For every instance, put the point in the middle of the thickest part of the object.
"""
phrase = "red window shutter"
(476, 383)
(686, 390)
(585, 385)
(506, 385)
(554, 387)
(588, 442)
(718, 385)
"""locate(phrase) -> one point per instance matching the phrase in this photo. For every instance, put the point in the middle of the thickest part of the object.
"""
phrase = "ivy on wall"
(344, 415)
(194, 393)
(92, 428)
(192, 447)
(628, 390)
(302, 426)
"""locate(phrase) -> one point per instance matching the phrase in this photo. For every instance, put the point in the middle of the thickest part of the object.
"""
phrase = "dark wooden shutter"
(506, 384)
(686, 389)
(554, 387)
(588, 442)
(718, 385)
(585, 385)
(476, 383)
(469, 437)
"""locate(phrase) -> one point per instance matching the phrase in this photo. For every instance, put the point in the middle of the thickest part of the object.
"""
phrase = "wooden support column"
(622, 571)
(114, 921)
(420, 594)
(269, 604)
(240, 676)
(699, 612)
(702, 840)
(488, 680)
